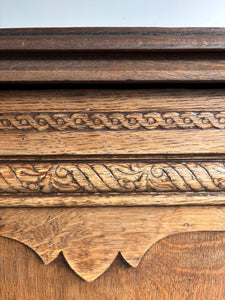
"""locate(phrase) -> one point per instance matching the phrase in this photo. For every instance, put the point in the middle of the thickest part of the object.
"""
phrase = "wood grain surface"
(90, 239)
(112, 55)
(187, 266)
(98, 117)
(106, 143)
(90, 100)
(108, 39)
(114, 199)
(112, 67)
(185, 121)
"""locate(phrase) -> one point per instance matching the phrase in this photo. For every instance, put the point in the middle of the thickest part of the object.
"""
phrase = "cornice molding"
(112, 55)
(116, 39)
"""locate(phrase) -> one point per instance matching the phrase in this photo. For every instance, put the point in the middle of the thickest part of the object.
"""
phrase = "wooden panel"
(179, 267)
(91, 238)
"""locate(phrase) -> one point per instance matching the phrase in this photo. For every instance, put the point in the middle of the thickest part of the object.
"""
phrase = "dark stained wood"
(180, 267)
(107, 39)
(111, 67)
(112, 55)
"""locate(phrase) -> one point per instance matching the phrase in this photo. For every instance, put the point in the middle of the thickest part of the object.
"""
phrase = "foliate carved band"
(122, 177)
(113, 121)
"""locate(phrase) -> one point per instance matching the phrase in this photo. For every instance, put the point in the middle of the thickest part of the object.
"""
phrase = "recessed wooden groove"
(118, 158)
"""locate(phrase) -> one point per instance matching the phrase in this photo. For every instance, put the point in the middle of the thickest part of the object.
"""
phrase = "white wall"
(62, 13)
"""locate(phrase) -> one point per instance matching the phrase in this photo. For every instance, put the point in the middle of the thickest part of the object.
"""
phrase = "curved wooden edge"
(90, 239)
(108, 39)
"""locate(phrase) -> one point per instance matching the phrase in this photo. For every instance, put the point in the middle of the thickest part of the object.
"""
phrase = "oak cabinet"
(112, 163)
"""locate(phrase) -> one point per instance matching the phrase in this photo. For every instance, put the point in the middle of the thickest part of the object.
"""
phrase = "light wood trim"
(128, 200)
(111, 100)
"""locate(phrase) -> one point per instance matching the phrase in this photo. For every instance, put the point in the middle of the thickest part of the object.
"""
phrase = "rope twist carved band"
(113, 121)
(107, 177)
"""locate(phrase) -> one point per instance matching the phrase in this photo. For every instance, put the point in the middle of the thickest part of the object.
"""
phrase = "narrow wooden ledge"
(117, 39)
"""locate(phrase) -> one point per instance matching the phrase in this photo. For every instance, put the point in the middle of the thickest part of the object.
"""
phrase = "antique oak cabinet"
(112, 163)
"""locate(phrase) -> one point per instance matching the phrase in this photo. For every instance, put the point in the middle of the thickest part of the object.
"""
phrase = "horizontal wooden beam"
(112, 55)
(111, 67)
(108, 39)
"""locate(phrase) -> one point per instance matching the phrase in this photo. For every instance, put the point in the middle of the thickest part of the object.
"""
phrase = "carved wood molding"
(148, 198)
(113, 121)
(90, 239)
(113, 38)
(112, 176)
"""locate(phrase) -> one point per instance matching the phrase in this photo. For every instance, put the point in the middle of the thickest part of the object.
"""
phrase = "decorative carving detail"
(113, 121)
(114, 176)
(90, 239)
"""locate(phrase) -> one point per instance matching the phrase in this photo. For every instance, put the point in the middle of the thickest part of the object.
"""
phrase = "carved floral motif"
(122, 177)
